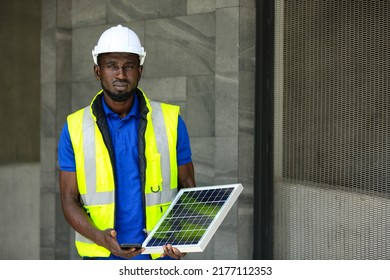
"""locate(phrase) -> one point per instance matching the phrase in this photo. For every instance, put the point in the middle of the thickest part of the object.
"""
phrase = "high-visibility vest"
(95, 173)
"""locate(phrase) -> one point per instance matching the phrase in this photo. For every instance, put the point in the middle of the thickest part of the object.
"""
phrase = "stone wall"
(20, 26)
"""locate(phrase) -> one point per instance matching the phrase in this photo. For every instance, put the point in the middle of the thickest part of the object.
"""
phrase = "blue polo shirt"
(129, 215)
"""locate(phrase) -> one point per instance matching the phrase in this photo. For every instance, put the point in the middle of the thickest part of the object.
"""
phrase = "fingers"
(111, 244)
(130, 253)
(172, 252)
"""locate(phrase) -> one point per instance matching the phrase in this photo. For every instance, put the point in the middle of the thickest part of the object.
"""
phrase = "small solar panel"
(192, 218)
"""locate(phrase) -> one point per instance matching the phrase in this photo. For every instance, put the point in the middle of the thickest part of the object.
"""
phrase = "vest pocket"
(104, 173)
(154, 180)
(164, 207)
(101, 215)
(154, 213)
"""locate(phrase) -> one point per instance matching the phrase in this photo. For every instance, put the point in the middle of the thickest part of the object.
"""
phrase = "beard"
(118, 97)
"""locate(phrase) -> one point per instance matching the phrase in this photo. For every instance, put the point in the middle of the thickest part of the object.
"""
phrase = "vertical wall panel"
(332, 128)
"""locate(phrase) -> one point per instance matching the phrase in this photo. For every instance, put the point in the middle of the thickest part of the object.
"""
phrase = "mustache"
(121, 81)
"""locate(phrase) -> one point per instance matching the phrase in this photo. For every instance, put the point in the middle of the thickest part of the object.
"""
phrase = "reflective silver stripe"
(82, 238)
(167, 194)
(91, 197)
(88, 130)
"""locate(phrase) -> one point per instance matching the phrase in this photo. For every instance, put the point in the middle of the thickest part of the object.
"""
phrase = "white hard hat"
(119, 39)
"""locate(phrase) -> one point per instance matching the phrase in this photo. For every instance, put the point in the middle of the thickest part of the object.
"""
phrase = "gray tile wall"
(19, 78)
(19, 215)
(200, 55)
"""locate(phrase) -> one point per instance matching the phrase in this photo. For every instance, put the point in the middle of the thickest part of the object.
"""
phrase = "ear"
(96, 70)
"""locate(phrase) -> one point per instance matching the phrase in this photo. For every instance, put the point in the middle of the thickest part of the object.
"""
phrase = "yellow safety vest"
(94, 169)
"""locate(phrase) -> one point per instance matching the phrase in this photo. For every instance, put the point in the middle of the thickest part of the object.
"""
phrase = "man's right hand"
(108, 240)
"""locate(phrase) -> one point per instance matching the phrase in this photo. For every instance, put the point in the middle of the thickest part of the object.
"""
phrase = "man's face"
(119, 74)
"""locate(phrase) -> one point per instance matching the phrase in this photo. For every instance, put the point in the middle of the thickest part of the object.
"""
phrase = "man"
(123, 158)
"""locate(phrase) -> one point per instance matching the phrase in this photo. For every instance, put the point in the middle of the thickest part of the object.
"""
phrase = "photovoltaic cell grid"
(192, 218)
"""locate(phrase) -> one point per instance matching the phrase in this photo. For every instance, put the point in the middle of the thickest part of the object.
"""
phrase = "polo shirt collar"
(134, 111)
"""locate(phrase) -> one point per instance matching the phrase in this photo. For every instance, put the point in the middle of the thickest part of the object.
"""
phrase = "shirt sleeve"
(183, 148)
(66, 160)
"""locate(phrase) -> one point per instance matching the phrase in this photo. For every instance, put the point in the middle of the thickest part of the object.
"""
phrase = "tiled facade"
(200, 55)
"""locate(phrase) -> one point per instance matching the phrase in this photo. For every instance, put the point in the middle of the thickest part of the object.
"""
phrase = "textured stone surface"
(199, 7)
(19, 232)
(201, 106)
(226, 104)
(169, 89)
(88, 12)
(181, 46)
(127, 11)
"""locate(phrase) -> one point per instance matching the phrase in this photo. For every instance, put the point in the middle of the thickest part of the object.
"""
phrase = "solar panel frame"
(197, 244)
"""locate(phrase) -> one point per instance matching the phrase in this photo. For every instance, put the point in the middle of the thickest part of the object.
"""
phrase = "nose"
(120, 72)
